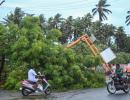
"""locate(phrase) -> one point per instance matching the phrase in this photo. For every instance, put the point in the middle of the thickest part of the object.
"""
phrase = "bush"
(95, 79)
(15, 77)
(70, 76)
(91, 61)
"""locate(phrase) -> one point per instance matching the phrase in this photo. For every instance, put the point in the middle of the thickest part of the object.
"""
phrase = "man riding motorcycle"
(35, 83)
(32, 77)
(118, 81)
(119, 73)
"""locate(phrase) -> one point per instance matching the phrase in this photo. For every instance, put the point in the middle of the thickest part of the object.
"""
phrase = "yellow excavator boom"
(92, 47)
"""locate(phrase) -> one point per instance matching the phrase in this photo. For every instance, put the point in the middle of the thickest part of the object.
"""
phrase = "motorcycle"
(115, 84)
(43, 86)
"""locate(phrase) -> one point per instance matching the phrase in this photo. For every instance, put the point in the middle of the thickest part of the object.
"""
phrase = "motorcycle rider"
(32, 77)
(119, 72)
(118, 82)
(34, 83)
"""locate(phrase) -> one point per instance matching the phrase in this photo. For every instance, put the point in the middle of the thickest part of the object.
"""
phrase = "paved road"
(86, 94)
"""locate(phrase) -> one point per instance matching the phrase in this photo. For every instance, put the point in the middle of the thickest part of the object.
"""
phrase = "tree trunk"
(2, 63)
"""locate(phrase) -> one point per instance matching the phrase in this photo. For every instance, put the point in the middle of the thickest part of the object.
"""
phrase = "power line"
(62, 8)
(62, 5)
(76, 5)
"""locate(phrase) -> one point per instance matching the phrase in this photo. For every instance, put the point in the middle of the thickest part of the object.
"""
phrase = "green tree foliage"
(15, 77)
(3, 40)
(54, 35)
(3, 45)
(122, 58)
(121, 40)
(103, 32)
(29, 46)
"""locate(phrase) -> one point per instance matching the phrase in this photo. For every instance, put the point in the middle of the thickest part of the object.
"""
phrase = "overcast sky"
(75, 8)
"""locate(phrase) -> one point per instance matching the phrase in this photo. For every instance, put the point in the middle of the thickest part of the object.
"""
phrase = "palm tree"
(128, 18)
(66, 28)
(50, 23)
(15, 17)
(87, 22)
(57, 20)
(69, 25)
(43, 23)
(101, 10)
(120, 39)
(2, 2)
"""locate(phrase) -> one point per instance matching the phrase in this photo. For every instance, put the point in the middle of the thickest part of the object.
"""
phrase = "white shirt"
(31, 75)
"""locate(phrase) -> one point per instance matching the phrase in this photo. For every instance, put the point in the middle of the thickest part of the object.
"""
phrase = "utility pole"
(2, 2)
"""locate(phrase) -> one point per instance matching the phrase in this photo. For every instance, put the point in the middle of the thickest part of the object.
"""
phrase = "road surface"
(86, 94)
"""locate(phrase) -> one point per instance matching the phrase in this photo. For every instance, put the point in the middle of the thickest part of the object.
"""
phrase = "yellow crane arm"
(92, 47)
(75, 42)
